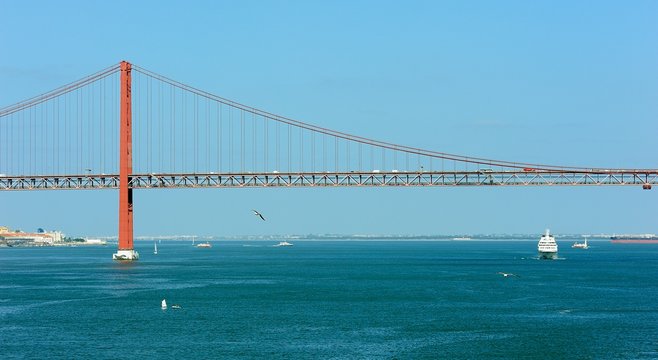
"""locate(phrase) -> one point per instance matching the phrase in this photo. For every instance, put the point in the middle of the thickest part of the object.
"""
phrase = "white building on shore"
(39, 238)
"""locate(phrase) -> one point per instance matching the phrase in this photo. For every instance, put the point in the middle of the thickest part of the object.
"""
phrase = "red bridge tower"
(126, 250)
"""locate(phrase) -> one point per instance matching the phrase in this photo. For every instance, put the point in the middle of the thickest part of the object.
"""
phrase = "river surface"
(331, 300)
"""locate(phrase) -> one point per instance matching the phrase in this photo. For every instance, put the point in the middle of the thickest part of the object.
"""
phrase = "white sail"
(164, 304)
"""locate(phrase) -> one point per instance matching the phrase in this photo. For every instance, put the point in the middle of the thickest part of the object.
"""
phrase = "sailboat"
(155, 248)
(164, 304)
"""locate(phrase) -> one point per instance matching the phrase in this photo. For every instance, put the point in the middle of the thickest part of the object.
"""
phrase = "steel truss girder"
(62, 182)
(329, 179)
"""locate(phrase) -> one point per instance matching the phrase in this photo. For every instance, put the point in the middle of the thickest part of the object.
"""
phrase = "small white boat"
(284, 243)
(582, 245)
(164, 304)
(155, 248)
(204, 245)
(547, 247)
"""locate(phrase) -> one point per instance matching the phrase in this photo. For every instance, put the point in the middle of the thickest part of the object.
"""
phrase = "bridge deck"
(320, 179)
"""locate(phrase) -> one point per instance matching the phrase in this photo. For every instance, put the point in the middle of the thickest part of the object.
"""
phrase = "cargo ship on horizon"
(634, 239)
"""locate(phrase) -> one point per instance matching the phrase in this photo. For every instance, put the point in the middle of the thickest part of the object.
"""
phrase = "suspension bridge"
(128, 128)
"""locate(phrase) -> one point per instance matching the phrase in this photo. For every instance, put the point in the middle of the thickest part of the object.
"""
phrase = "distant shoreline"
(359, 237)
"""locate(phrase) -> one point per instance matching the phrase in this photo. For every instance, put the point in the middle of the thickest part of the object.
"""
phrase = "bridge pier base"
(128, 255)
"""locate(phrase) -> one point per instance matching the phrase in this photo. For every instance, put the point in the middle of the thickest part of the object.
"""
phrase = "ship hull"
(547, 255)
(634, 241)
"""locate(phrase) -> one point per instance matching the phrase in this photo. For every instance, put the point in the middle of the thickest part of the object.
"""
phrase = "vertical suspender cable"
(42, 139)
(171, 166)
(395, 158)
(266, 147)
(278, 146)
(242, 141)
(30, 165)
(336, 152)
(70, 136)
(208, 137)
(160, 124)
(407, 161)
(149, 127)
(347, 156)
(313, 151)
(33, 135)
(101, 104)
(9, 120)
(196, 133)
(172, 127)
(4, 144)
(8, 144)
(38, 136)
(66, 134)
(13, 147)
(56, 135)
(360, 148)
(136, 121)
(21, 151)
(219, 137)
(253, 142)
(372, 157)
(89, 123)
(80, 130)
(38, 131)
(230, 139)
(30, 134)
(181, 145)
(117, 123)
(36, 169)
(19, 144)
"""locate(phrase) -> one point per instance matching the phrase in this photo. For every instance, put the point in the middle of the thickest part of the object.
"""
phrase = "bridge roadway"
(616, 177)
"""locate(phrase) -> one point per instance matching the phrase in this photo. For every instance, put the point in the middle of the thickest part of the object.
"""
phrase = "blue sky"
(559, 82)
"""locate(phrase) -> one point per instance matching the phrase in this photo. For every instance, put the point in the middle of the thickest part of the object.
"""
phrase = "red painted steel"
(125, 162)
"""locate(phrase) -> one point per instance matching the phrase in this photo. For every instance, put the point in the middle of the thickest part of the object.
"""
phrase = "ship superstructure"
(547, 247)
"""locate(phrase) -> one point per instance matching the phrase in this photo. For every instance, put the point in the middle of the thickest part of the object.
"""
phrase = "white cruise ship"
(547, 246)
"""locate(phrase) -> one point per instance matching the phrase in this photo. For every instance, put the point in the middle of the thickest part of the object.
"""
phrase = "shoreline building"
(40, 237)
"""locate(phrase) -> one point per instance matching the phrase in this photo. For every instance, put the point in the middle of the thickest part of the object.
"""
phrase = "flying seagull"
(507, 274)
(258, 214)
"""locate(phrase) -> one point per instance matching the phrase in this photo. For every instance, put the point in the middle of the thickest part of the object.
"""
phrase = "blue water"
(331, 300)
